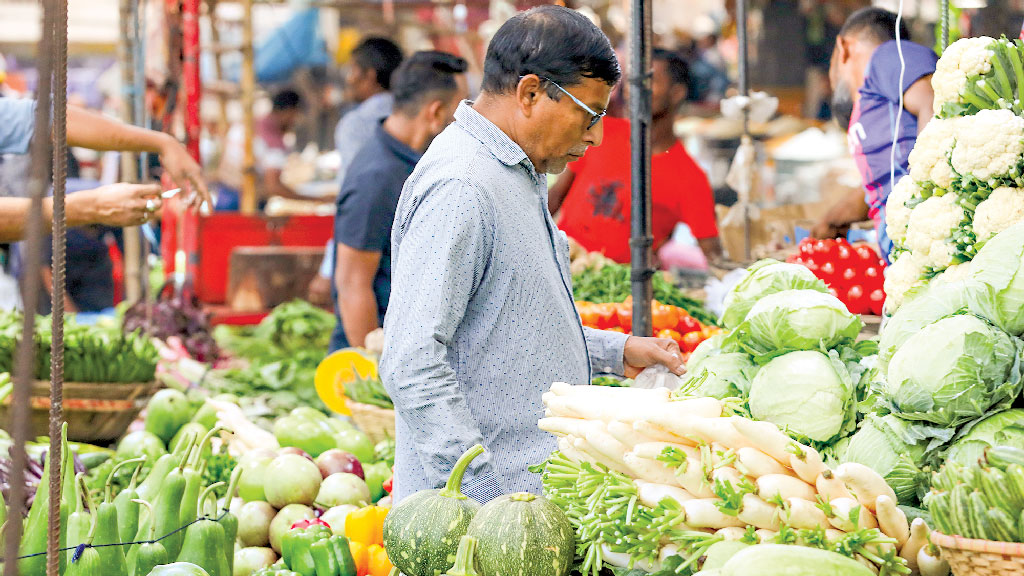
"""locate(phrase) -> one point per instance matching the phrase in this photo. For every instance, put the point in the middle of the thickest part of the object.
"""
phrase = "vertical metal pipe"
(141, 120)
(640, 157)
(25, 362)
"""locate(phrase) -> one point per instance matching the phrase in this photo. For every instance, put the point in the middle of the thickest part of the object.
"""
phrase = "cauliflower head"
(988, 145)
(962, 59)
(1003, 208)
(897, 214)
(930, 228)
(929, 160)
(905, 273)
(954, 273)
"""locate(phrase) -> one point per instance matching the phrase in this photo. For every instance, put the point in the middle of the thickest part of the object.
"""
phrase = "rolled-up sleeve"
(17, 122)
(446, 242)
(606, 350)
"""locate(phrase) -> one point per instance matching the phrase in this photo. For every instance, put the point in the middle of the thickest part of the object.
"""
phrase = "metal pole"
(744, 88)
(140, 119)
(59, 55)
(944, 22)
(640, 150)
(25, 363)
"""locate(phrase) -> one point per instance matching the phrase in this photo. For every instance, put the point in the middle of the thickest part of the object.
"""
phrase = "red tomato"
(670, 335)
(616, 329)
(588, 314)
(664, 317)
(687, 324)
(843, 255)
(849, 275)
(811, 263)
(856, 300)
(806, 247)
(866, 254)
(827, 273)
(873, 278)
(606, 316)
(690, 341)
(876, 299)
(625, 314)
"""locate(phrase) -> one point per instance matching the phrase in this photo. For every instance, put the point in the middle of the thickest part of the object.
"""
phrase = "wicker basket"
(95, 412)
(377, 423)
(969, 557)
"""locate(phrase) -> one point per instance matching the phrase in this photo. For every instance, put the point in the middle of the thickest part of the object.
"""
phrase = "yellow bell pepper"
(380, 564)
(361, 556)
(366, 526)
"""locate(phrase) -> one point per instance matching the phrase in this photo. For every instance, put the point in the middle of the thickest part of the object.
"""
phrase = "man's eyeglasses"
(595, 117)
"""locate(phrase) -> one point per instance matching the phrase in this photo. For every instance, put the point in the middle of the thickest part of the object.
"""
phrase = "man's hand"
(320, 290)
(185, 172)
(640, 353)
(116, 205)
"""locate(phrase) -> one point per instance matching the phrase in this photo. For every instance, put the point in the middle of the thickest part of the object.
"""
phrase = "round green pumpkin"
(523, 534)
(422, 532)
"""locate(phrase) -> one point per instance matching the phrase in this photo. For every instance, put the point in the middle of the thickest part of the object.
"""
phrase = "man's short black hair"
(380, 55)
(426, 76)
(550, 41)
(876, 24)
(678, 69)
(287, 99)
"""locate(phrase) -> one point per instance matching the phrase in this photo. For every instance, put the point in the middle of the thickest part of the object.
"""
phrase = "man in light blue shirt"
(481, 318)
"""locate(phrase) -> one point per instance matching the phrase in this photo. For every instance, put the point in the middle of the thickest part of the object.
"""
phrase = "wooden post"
(248, 199)
(129, 172)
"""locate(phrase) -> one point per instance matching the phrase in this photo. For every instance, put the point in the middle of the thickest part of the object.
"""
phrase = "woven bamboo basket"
(95, 412)
(377, 423)
(969, 557)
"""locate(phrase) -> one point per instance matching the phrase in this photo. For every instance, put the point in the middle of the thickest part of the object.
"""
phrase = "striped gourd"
(522, 535)
(422, 532)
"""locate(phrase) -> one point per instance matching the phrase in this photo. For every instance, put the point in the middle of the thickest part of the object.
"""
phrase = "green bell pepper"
(296, 544)
(376, 475)
(324, 561)
(313, 436)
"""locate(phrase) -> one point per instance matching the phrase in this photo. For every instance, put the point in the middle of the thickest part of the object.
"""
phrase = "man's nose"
(595, 135)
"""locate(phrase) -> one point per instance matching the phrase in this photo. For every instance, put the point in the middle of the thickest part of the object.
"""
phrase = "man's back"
(356, 126)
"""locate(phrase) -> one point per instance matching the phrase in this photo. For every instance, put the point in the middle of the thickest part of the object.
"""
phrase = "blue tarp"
(296, 44)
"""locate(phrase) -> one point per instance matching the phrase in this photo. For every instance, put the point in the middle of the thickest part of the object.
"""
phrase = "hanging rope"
(59, 55)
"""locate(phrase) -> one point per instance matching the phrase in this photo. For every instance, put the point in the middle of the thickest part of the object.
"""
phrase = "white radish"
(722, 431)
(623, 560)
(830, 487)
(758, 513)
(864, 483)
(807, 463)
(727, 474)
(652, 395)
(704, 407)
(658, 433)
(583, 446)
(731, 533)
(567, 446)
(703, 513)
(918, 539)
(653, 450)
(651, 494)
(667, 551)
(803, 514)
(753, 462)
(867, 563)
(624, 432)
(841, 511)
(765, 536)
(930, 565)
(766, 437)
(560, 426)
(833, 534)
(649, 470)
(891, 520)
(599, 438)
(779, 485)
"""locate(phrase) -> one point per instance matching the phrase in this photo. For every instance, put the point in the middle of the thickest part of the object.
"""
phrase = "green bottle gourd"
(150, 515)
(465, 559)
(33, 537)
(81, 521)
(150, 487)
(193, 484)
(229, 521)
(85, 560)
(204, 541)
(172, 499)
(107, 531)
(128, 511)
(149, 555)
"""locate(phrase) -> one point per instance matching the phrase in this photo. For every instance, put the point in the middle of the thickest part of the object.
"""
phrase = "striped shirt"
(481, 318)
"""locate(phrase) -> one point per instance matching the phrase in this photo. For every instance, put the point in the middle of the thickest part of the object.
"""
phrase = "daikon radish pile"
(651, 482)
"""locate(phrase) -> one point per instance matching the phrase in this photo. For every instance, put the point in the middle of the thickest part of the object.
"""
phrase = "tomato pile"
(670, 322)
(854, 274)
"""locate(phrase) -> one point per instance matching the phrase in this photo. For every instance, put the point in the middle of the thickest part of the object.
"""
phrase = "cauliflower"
(963, 59)
(989, 145)
(954, 273)
(905, 273)
(929, 160)
(897, 214)
(930, 230)
(1003, 208)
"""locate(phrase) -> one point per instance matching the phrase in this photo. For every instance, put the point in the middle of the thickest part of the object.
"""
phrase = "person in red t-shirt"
(594, 193)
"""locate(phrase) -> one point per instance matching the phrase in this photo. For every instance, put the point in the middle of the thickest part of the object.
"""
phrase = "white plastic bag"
(657, 376)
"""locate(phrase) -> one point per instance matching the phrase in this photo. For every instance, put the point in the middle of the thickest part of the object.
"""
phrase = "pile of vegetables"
(91, 353)
(983, 499)
(610, 283)
(854, 274)
(672, 322)
(179, 316)
(656, 481)
(966, 181)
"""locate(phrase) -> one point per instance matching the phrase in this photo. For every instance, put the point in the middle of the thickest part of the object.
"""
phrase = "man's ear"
(436, 112)
(843, 46)
(678, 93)
(528, 93)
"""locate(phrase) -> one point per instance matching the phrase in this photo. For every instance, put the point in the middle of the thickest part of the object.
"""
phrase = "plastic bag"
(657, 376)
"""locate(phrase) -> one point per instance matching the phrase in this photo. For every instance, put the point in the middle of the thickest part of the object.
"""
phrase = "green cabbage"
(1002, 428)
(720, 343)
(998, 267)
(934, 301)
(766, 277)
(727, 375)
(797, 320)
(888, 445)
(807, 393)
(953, 371)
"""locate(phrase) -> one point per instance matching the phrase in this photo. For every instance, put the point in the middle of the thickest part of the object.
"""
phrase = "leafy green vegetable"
(611, 283)
(763, 278)
(999, 267)
(1000, 429)
(893, 448)
(369, 391)
(796, 320)
(921, 307)
(727, 375)
(219, 466)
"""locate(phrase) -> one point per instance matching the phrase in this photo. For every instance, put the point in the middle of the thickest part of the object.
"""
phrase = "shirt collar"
(398, 148)
(497, 142)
